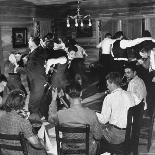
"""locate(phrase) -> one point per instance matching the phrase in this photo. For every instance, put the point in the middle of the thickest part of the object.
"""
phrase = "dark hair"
(146, 33)
(74, 90)
(130, 66)
(118, 34)
(49, 36)
(72, 48)
(108, 34)
(114, 77)
(71, 42)
(15, 100)
(36, 40)
(3, 78)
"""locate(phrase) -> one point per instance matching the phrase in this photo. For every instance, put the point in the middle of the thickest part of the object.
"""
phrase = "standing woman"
(36, 74)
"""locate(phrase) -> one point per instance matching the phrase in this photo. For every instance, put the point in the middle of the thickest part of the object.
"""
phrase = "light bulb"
(68, 24)
(81, 23)
(76, 23)
(90, 24)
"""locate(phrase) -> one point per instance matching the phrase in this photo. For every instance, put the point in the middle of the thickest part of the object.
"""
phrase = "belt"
(117, 127)
(120, 59)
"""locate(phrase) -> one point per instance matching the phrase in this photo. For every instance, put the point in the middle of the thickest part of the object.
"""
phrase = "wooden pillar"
(119, 26)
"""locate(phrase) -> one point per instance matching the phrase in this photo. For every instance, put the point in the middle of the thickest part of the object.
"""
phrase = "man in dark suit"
(36, 74)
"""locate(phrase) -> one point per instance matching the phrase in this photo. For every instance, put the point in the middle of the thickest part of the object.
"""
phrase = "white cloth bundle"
(54, 61)
(50, 143)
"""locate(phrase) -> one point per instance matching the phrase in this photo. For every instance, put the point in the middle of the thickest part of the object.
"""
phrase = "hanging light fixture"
(78, 18)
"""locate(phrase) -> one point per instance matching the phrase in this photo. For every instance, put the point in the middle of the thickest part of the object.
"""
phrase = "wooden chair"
(22, 147)
(130, 145)
(147, 129)
(64, 140)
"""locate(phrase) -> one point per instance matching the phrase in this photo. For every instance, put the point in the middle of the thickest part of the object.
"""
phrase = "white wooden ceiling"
(87, 3)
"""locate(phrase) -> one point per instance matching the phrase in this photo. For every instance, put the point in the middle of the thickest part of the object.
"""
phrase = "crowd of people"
(55, 74)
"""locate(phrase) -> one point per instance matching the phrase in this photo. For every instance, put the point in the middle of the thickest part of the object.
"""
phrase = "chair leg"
(149, 139)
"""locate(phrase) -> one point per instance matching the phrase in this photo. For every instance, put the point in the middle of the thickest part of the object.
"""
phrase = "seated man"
(76, 115)
(136, 85)
(13, 123)
(114, 110)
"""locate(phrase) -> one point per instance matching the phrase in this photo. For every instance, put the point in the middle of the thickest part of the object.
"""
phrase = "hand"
(54, 94)
(61, 93)
(140, 61)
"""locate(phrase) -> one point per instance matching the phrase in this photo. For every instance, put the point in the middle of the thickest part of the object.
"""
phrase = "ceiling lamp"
(78, 18)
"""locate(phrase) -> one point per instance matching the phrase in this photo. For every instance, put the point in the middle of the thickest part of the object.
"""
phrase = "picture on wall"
(19, 37)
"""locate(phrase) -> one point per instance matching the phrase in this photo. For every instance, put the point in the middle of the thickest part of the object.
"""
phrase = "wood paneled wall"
(12, 17)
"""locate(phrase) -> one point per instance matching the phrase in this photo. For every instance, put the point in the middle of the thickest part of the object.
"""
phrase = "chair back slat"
(9, 137)
(11, 147)
(80, 151)
(62, 139)
(72, 130)
(22, 143)
(134, 120)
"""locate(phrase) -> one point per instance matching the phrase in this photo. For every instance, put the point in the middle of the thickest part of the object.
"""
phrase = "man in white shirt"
(114, 110)
(106, 58)
(136, 85)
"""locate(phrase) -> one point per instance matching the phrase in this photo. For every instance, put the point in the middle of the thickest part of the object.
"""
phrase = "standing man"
(114, 110)
(106, 58)
(119, 49)
(136, 84)
(36, 74)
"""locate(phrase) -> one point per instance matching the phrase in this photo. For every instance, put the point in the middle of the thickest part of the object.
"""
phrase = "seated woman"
(13, 123)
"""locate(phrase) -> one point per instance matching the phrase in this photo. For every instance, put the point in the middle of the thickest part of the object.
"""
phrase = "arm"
(53, 108)
(97, 130)
(106, 111)
(35, 142)
(145, 64)
(99, 45)
(129, 43)
(29, 135)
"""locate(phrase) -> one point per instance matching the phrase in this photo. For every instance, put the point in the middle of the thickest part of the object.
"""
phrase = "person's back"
(115, 109)
(76, 116)
(12, 122)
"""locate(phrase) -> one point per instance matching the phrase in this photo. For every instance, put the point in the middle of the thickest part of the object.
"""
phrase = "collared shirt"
(78, 116)
(137, 87)
(106, 45)
(115, 108)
